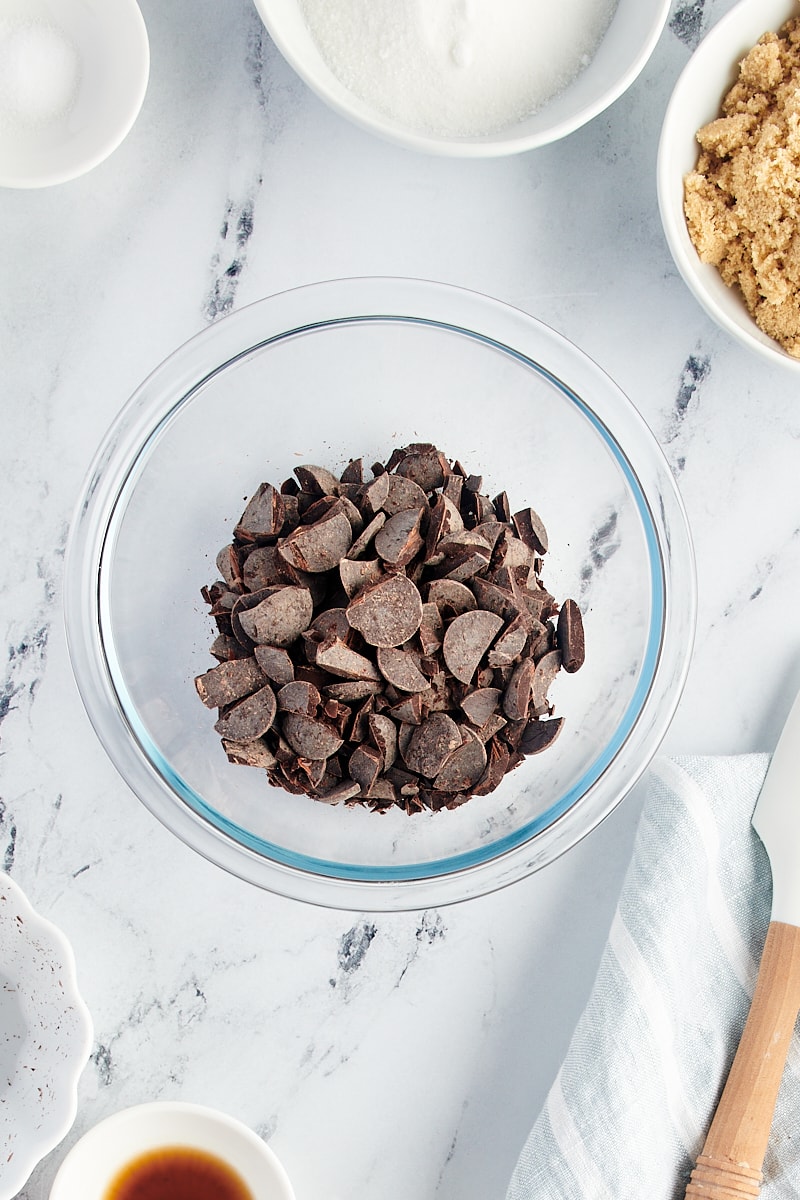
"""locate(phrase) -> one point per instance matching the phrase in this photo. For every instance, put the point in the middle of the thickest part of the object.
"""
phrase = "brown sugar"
(742, 201)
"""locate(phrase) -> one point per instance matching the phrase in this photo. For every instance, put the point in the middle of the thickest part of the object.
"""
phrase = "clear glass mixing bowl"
(355, 368)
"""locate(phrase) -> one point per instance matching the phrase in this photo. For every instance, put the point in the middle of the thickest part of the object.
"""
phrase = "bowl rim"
(488, 146)
(130, 27)
(714, 63)
(55, 949)
(83, 603)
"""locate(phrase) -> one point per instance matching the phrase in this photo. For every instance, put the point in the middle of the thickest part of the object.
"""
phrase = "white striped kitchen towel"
(631, 1105)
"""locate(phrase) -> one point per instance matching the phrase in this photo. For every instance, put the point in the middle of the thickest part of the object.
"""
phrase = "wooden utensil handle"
(729, 1167)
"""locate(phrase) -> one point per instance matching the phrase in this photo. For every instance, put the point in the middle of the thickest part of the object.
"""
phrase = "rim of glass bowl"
(114, 471)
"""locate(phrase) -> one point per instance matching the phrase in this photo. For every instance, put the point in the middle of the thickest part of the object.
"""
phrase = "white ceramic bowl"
(626, 47)
(46, 1035)
(696, 100)
(73, 78)
(95, 1160)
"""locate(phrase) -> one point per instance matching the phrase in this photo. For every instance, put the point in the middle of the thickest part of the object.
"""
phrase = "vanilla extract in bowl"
(388, 640)
(178, 1173)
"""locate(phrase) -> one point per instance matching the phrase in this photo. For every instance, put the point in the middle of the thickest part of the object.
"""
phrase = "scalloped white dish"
(45, 1038)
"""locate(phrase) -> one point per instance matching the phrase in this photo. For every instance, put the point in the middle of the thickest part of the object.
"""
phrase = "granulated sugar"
(457, 67)
(39, 72)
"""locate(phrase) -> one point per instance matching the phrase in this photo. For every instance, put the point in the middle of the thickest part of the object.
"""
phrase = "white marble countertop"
(385, 1057)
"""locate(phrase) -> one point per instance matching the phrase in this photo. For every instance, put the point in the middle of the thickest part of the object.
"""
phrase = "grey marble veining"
(386, 1057)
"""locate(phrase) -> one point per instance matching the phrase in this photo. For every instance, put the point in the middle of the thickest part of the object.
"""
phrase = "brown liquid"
(178, 1173)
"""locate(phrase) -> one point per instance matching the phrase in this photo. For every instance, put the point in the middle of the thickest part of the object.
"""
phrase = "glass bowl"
(355, 368)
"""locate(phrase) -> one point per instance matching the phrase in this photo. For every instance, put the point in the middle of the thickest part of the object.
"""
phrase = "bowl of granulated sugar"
(73, 76)
(471, 78)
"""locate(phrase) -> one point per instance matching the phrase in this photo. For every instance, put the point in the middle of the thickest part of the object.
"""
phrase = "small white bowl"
(626, 47)
(696, 100)
(95, 1160)
(73, 75)
(45, 1038)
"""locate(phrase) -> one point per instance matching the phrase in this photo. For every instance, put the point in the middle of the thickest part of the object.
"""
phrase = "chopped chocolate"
(318, 547)
(338, 659)
(388, 613)
(276, 663)
(467, 639)
(400, 538)
(230, 681)
(309, 736)
(570, 637)
(481, 704)
(431, 745)
(464, 767)
(249, 718)
(300, 696)
(263, 517)
(400, 668)
(405, 628)
(280, 618)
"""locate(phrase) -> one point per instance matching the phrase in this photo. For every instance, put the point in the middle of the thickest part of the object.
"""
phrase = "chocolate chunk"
(225, 647)
(230, 567)
(388, 613)
(275, 663)
(431, 629)
(358, 574)
(431, 745)
(299, 697)
(365, 766)
(464, 563)
(375, 494)
(517, 696)
(353, 472)
(316, 480)
(249, 754)
(263, 567)
(403, 494)
(427, 468)
(467, 639)
(400, 539)
(367, 535)
(408, 710)
(355, 689)
(399, 668)
(464, 767)
(383, 732)
(318, 547)
(570, 636)
(309, 736)
(338, 659)
(539, 735)
(530, 527)
(450, 597)
(280, 618)
(481, 704)
(249, 718)
(228, 682)
(263, 517)
(509, 645)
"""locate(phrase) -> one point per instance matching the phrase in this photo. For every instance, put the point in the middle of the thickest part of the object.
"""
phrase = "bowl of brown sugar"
(729, 176)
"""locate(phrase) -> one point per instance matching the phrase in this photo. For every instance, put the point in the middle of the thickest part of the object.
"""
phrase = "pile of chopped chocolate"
(386, 641)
